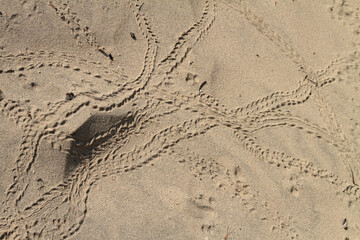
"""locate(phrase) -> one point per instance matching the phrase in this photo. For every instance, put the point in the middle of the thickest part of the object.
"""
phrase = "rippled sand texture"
(180, 119)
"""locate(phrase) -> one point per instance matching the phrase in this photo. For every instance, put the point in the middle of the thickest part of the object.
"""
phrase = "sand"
(180, 119)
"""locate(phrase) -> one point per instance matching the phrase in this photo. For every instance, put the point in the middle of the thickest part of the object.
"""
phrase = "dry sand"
(180, 119)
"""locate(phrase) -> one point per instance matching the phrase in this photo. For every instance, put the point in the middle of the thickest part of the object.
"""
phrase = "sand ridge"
(138, 131)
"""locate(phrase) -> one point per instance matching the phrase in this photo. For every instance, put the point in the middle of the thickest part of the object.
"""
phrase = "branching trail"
(59, 211)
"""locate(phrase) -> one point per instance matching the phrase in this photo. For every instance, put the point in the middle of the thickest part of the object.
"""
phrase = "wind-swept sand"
(180, 119)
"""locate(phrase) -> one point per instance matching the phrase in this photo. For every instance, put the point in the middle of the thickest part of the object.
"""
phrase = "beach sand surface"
(193, 119)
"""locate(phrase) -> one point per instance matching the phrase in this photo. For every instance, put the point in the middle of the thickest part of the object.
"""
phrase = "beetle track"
(207, 113)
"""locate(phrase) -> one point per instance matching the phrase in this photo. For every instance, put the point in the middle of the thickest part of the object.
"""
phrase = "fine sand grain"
(194, 119)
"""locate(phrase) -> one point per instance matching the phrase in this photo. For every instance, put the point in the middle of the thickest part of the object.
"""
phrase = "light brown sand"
(215, 120)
